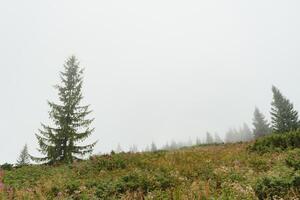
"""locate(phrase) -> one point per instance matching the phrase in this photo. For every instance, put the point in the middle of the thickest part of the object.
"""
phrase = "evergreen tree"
(245, 133)
(198, 141)
(261, 126)
(147, 149)
(209, 138)
(173, 145)
(153, 147)
(233, 135)
(230, 136)
(218, 140)
(119, 149)
(24, 158)
(59, 143)
(284, 117)
(133, 149)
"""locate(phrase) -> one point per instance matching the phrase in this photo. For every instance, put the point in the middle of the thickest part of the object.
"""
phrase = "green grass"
(206, 172)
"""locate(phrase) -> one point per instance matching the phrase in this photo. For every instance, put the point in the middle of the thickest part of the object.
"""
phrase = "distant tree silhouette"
(133, 149)
(245, 133)
(198, 141)
(147, 149)
(153, 147)
(261, 126)
(241, 135)
(119, 149)
(24, 158)
(209, 138)
(230, 135)
(218, 140)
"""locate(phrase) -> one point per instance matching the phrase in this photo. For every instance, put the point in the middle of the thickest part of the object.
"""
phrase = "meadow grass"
(227, 171)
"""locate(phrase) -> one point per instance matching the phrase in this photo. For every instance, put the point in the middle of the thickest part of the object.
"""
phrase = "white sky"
(155, 70)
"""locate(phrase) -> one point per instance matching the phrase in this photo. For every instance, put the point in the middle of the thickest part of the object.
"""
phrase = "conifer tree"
(147, 149)
(173, 145)
(24, 158)
(230, 136)
(245, 133)
(261, 126)
(284, 117)
(209, 138)
(119, 149)
(153, 147)
(133, 149)
(60, 142)
(218, 140)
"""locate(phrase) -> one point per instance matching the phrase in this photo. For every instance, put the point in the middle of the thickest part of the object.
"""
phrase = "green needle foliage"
(261, 126)
(284, 117)
(59, 143)
(24, 158)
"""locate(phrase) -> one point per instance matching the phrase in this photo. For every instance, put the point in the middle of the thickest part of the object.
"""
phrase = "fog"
(154, 70)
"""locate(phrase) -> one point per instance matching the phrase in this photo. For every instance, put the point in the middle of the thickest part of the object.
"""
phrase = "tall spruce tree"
(284, 117)
(24, 158)
(261, 125)
(59, 143)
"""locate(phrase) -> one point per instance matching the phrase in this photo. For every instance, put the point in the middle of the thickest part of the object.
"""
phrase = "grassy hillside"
(205, 172)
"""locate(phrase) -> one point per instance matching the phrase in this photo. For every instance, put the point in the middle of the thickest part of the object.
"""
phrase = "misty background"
(154, 70)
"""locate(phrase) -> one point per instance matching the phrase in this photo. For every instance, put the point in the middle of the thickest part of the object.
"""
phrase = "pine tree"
(24, 158)
(198, 141)
(218, 140)
(284, 117)
(209, 138)
(133, 149)
(233, 135)
(261, 126)
(119, 149)
(147, 149)
(173, 145)
(245, 133)
(59, 143)
(153, 147)
(230, 136)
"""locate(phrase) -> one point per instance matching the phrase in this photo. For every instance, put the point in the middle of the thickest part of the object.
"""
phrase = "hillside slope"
(204, 172)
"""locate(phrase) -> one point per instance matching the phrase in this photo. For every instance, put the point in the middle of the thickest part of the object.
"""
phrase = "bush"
(105, 190)
(269, 187)
(293, 159)
(296, 180)
(111, 163)
(72, 186)
(54, 191)
(164, 181)
(7, 166)
(259, 164)
(133, 182)
(277, 142)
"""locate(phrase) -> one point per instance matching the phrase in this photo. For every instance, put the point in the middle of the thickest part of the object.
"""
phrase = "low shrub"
(111, 163)
(293, 159)
(72, 186)
(134, 181)
(259, 164)
(277, 141)
(104, 189)
(7, 166)
(269, 187)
